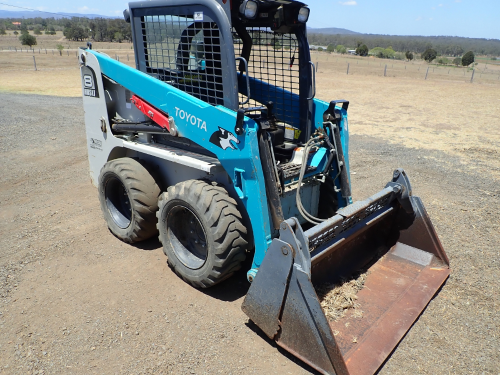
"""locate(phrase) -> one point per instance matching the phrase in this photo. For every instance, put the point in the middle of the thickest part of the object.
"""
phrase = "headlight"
(303, 15)
(249, 9)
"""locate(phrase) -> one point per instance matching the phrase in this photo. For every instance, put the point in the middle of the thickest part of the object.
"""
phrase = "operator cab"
(258, 47)
(271, 37)
(252, 57)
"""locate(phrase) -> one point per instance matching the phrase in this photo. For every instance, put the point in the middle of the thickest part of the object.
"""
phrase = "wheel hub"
(187, 236)
(118, 203)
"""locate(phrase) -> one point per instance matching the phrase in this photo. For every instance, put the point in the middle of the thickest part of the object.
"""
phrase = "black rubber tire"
(127, 179)
(215, 216)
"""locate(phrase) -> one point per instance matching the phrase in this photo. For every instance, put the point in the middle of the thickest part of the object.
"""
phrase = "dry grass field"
(444, 112)
(76, 300)
(57, 74)
(454, 117)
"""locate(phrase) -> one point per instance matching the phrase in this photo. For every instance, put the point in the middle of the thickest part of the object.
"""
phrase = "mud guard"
(391, 237)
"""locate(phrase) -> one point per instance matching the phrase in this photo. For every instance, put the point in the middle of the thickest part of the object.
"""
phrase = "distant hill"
(331, 31)
(34, 14)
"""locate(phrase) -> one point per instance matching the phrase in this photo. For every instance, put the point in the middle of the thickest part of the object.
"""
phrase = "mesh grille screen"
(274, 59)
(185, 54)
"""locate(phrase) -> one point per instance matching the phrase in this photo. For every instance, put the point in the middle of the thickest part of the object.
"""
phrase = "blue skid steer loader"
(216, 143)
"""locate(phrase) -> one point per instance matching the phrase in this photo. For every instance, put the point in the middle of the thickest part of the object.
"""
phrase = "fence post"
(45, 50)
(34, 62)
(127, 57)
(472, 77)
(347, 68)
(385, 71)
(317, 66)
(427, 73)
(68, 52)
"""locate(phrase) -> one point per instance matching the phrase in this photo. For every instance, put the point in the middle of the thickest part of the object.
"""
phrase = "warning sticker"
(198, 16)
(292, 133)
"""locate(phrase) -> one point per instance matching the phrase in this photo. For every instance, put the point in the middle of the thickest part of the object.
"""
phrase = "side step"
(390, 238)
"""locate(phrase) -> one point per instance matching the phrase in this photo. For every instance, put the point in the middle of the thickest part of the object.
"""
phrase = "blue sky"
(467, 18)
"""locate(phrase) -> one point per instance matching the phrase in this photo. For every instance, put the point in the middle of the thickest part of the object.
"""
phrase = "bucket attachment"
(390, 239)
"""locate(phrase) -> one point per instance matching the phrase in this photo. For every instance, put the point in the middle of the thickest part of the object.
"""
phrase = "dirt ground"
(74, 299)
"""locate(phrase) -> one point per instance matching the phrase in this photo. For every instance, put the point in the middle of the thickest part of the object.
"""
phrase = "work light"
(303, 15)
(249, 9)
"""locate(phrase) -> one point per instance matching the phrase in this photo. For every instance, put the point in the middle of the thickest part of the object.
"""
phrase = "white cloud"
(85, 9)
(350, 2)
(419, 19)
(441, 5)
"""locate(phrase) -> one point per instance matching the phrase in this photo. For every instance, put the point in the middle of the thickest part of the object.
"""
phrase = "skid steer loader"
(216, 143)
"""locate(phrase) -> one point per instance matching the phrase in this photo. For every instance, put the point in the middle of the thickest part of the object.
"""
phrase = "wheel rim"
(187, 237)
(118, 203)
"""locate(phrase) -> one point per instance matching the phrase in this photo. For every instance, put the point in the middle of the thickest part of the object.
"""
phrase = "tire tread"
(143, 194)
(224, 222)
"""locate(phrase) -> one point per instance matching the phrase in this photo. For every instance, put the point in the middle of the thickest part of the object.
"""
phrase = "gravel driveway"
(74, 299)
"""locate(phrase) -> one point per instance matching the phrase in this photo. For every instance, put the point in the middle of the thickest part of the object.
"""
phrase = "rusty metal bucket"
(391, 238)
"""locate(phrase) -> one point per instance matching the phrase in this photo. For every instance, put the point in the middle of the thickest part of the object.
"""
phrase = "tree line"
(428, 55)
(76, 28)
(117, 30)
(443, 45)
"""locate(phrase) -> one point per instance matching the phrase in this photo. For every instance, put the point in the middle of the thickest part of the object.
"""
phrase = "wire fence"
(482, 73)
(420, 70)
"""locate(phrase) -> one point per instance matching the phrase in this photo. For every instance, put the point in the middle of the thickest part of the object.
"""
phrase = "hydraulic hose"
(310, 218)
(344, 177)
(331, 126)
